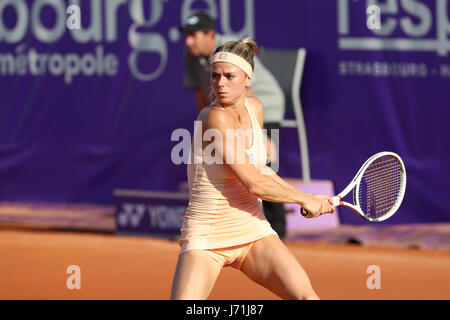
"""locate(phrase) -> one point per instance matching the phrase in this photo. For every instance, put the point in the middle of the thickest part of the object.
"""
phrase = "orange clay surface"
(33, 265)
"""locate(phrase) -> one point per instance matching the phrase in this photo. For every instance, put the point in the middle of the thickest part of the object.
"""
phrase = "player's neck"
(238, 105)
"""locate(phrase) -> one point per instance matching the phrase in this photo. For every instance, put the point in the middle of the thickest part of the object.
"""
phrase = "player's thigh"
(195, 275)
(271, 264)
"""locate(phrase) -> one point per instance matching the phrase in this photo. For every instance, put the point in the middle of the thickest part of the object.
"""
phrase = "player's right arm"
(263, 186)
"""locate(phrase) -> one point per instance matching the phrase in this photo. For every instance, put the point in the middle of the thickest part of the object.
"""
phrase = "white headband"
(233, 59)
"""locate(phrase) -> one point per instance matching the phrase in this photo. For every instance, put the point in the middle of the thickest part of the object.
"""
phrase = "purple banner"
(86, 111)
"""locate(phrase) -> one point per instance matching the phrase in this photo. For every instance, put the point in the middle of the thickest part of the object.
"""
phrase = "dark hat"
(198, 21)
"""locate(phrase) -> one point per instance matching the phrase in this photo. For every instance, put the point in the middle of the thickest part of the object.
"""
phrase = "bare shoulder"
(217, 118)
(257, 107)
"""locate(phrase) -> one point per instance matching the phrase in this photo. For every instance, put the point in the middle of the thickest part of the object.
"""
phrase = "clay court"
(34, 263)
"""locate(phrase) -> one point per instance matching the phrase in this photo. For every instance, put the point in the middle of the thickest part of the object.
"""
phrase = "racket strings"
(382, 192)
(380, 186)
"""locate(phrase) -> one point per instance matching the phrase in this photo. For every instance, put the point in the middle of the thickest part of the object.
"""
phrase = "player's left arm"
(258, 110)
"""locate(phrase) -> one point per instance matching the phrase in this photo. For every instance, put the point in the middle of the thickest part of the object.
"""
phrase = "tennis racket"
(378, 188)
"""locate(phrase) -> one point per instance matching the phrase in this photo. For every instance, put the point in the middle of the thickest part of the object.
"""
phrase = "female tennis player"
(224, 224)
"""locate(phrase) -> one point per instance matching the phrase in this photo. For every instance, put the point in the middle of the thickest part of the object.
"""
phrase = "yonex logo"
(132, 214)
(223, 56)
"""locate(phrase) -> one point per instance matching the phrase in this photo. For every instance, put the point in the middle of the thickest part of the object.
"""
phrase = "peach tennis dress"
(221, 212)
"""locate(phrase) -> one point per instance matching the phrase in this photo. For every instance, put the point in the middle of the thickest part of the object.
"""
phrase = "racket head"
(380, 188)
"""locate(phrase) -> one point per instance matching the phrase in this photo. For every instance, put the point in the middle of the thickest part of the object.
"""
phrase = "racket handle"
(336, 201)
(304, 212)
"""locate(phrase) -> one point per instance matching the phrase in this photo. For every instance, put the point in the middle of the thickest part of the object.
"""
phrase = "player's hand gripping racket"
(378, 188)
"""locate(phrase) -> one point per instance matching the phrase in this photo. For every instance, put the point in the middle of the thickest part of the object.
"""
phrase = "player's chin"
(224, 99)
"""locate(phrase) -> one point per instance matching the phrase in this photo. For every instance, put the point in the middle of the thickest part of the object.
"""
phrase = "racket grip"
(336, 201)
(304, 212)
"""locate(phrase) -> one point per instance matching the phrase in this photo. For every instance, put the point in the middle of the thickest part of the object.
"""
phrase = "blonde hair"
(245, 48)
